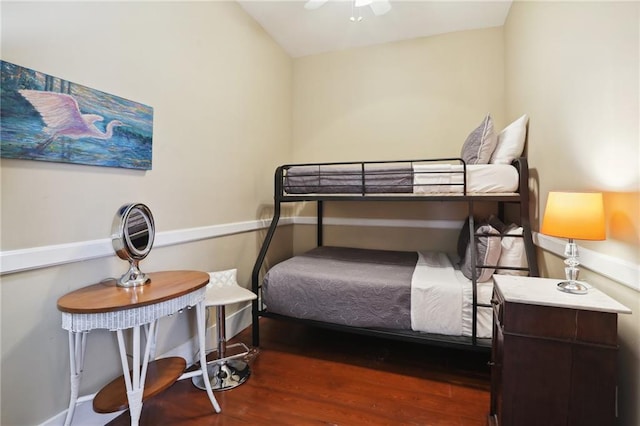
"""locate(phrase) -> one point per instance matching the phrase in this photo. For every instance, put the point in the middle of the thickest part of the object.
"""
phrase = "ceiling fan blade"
(380, 7)
(314, 4)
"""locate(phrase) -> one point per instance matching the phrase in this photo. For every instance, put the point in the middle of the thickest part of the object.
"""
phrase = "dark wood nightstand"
(553, 355)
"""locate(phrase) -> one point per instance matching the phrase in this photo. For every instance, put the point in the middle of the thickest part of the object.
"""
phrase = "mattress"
(449, 178)
(377, 289)
(406, 178)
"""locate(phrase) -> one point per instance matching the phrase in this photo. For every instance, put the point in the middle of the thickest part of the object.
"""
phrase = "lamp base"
(573, 287)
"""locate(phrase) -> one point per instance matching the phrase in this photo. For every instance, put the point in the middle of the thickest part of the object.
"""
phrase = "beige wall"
(411, 99)
(573, 67)
(221, 92)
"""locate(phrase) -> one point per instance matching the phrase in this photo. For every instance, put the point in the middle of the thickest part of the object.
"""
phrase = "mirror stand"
(134, 276)
(133, 232)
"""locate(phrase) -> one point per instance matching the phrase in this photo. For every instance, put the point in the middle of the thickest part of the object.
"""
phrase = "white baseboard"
(84, 414)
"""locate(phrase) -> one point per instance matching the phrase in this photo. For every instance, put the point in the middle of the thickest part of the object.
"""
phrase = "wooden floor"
(309, 376)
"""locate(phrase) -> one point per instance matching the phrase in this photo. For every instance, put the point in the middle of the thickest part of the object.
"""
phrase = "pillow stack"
(493, 247)
(482, 146)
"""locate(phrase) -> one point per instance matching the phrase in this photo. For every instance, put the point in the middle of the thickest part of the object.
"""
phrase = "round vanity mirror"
(132, 237)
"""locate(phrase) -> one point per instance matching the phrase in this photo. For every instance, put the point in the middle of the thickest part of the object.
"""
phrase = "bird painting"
(47, 118)
(61, 114)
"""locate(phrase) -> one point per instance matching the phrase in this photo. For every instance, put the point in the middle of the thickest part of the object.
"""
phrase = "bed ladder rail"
(257, 267)
(521, 165)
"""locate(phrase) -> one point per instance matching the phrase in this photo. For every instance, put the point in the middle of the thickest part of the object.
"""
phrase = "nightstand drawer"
(560, 323)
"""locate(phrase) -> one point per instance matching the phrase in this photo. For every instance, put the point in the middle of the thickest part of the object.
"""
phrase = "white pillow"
(513, 253)
(480, 143)
(510, 142)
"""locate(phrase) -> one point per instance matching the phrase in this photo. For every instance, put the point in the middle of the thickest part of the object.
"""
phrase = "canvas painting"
(49, 119)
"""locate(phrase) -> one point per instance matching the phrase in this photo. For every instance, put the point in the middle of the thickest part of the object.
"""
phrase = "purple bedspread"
(375, 179)
(355, 287)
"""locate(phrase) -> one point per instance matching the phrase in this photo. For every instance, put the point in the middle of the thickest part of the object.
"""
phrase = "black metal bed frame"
(520, 197)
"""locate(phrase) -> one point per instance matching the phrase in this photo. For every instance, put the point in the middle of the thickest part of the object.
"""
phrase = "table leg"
(154, 338)
(77, 346)
(134, 379)
(202, 327)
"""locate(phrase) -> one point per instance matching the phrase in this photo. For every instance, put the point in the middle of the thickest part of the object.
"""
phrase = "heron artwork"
(62, 115)
(46, 118)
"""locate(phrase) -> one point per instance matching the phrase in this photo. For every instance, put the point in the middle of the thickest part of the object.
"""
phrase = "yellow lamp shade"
(577, 215)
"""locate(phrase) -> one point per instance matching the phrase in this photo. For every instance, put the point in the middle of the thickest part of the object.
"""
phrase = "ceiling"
(304, 32)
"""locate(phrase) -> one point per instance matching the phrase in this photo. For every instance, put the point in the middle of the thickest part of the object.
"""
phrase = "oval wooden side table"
(107, 306)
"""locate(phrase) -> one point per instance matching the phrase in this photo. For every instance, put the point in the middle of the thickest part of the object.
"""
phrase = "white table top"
(543, 291)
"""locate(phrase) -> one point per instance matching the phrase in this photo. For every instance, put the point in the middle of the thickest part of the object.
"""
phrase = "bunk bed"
(372, 291)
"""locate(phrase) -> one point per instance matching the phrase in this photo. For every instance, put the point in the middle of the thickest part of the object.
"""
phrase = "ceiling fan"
(379, 7)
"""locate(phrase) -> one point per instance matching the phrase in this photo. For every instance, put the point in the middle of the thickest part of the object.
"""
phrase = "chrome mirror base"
(134, 277)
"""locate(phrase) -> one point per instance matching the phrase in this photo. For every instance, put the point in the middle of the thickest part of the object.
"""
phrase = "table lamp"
(574, 215)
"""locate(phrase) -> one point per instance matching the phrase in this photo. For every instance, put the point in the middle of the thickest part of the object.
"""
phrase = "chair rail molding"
(621, 271)
(21, 260)
(11, 261)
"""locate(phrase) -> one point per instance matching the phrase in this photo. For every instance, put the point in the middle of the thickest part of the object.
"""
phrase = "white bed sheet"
(442, 298)
(481, 178)
(485, 314)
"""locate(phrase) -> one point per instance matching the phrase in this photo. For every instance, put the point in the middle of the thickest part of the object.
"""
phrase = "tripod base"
(224, 375)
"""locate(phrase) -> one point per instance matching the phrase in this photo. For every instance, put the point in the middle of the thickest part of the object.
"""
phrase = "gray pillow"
(463, 236)
(488, 250)
(480, 143)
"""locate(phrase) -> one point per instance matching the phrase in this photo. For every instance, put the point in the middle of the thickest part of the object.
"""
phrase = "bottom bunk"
(417, 296)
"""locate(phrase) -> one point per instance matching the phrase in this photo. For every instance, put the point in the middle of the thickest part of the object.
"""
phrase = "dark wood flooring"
(303, 375)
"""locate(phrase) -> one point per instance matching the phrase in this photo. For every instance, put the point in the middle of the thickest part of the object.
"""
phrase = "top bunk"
(490, 168)
(446, 179)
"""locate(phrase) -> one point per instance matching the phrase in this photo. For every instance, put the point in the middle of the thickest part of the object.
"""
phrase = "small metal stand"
(226, 372)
